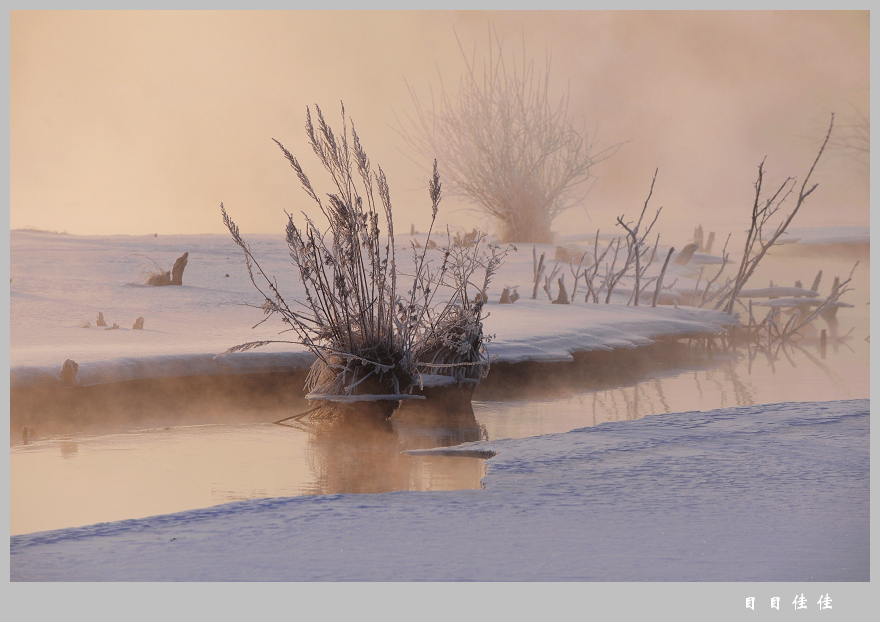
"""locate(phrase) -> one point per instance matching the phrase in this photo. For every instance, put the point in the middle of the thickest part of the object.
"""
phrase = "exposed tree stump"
(709, 242)
(685, 255)
(68, 373)
(170, 277)
(562, 298)
(177, 269)
(508, 296)
(698, 236)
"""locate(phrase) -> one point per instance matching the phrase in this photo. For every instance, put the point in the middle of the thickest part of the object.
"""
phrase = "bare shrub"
(371, 339)
(635, 244)
(454, 345)
(764, 209)
(853, 138)
(506, 145)
(592, 273)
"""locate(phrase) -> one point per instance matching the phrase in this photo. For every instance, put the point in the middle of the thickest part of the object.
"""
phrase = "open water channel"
(78, 479)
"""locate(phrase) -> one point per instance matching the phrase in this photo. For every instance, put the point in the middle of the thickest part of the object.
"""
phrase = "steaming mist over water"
(143, 122)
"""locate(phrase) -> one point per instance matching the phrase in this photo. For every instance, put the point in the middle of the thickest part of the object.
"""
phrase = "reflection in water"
(740, 375)
(84, 479)
(170, 469)
(357, 454)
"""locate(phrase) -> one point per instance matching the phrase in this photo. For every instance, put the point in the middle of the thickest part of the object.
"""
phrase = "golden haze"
(140, 122)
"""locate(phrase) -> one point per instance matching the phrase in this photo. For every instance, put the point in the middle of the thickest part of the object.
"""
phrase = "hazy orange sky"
(141, 122)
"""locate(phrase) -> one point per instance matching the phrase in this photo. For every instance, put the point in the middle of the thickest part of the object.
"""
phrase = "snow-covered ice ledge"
(122, 369)
(530, 330)
(759, 493)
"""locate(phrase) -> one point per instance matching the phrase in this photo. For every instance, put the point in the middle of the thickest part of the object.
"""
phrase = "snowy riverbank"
(60, 283)
(757, 493)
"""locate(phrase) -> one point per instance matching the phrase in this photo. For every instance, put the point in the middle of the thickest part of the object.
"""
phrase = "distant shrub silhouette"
(520, 157)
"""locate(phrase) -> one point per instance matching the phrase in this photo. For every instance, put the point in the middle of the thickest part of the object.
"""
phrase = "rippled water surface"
(82, 479)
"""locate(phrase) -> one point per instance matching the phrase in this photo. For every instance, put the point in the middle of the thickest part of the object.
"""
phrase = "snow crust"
(760, 493)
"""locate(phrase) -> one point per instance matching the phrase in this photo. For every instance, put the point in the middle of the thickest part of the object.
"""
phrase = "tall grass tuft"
(372, 338)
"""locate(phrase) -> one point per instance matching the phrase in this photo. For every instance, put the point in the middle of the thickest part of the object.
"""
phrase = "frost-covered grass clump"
(373, 338)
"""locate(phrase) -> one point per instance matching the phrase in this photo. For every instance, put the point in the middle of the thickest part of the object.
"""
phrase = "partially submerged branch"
(763, 210)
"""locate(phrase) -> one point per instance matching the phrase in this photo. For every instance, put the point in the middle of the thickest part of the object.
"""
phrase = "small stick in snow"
(660, 278)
